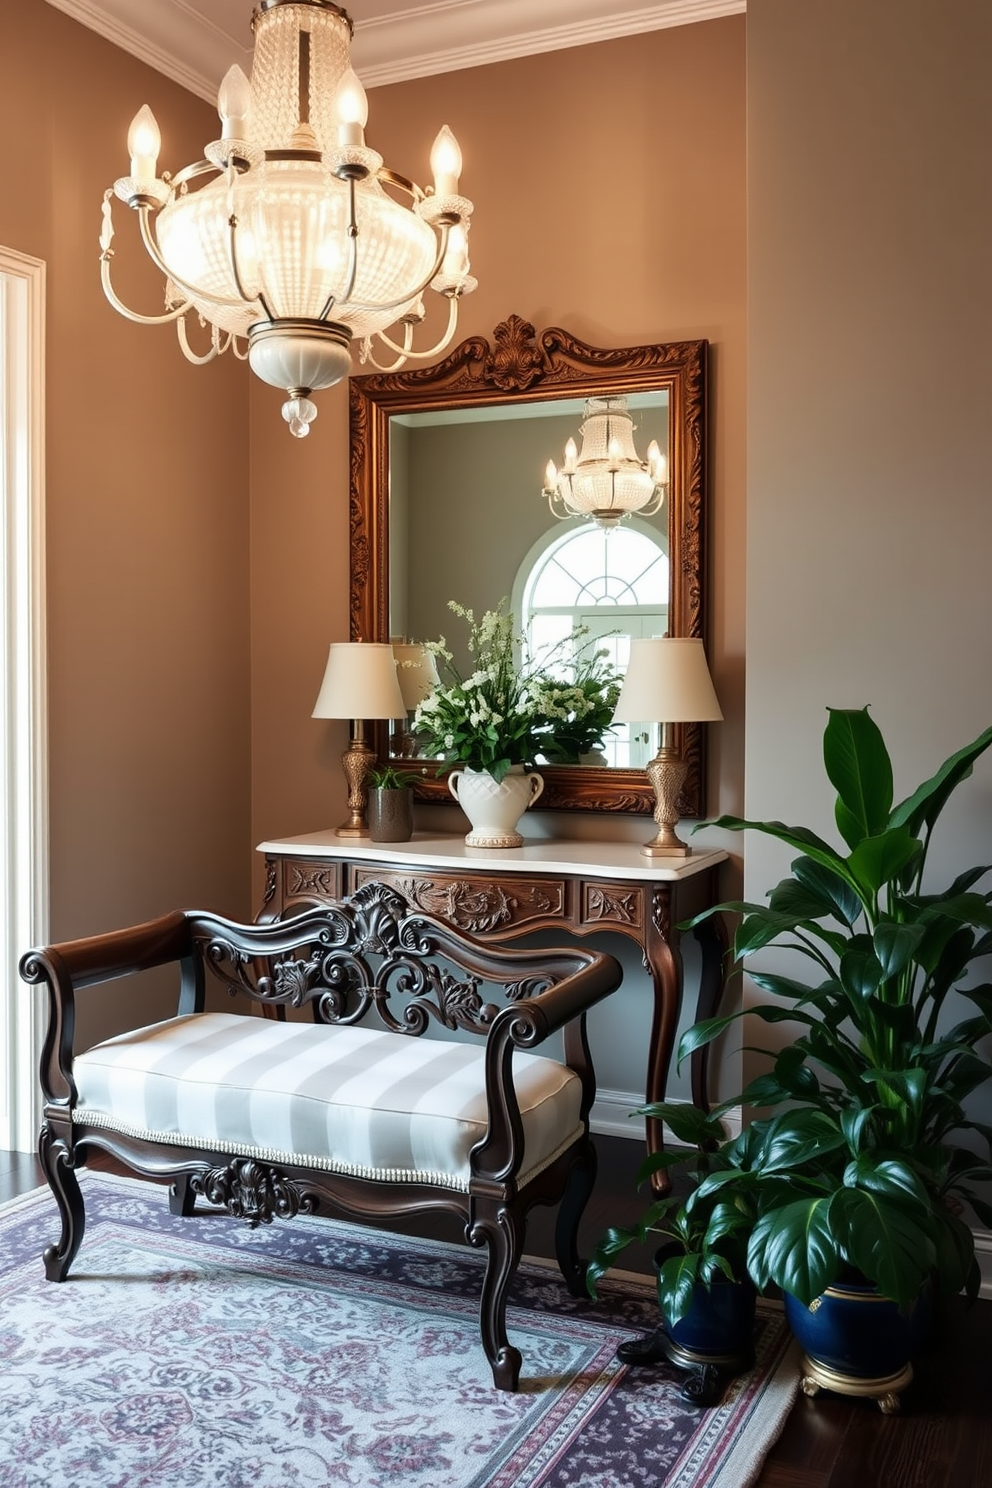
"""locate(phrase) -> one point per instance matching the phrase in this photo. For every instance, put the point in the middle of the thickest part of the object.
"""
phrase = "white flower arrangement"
(508, 712)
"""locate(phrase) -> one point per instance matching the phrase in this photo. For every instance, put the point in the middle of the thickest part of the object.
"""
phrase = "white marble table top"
(573, 856)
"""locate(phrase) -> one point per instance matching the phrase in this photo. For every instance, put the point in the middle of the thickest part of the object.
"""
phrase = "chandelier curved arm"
(655, 504)
(175, 314)
(200, 359)
(367, 354)
(192, 293)
(416, 290)
(106, 238)
(420, 356)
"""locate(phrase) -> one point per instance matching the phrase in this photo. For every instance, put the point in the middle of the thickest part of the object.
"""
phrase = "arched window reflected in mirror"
(605, 587)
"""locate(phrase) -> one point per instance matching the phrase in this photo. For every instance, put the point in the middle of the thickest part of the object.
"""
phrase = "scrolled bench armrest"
(72, 965)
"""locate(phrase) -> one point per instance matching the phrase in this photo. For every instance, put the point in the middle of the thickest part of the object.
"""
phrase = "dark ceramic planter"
(390, 814)
(712, 1342)
(857, 1342)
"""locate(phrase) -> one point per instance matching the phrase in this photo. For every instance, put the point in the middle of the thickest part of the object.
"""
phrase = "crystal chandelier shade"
(299, 244)
(606, 480)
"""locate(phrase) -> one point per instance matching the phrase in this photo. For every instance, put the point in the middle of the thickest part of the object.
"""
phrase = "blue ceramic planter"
(855, 1332)
(719, 1326)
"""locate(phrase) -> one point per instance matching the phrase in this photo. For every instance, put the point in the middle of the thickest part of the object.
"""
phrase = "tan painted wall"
(870, 442)
(609, 191)
(147, 512)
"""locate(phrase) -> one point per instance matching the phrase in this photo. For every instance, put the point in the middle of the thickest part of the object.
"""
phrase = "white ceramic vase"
(495, 807)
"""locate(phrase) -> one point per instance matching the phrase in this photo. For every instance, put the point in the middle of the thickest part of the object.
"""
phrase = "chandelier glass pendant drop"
(606, 481)
(303, 240)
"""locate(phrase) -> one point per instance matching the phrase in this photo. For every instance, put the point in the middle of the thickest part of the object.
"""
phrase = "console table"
(579, 886)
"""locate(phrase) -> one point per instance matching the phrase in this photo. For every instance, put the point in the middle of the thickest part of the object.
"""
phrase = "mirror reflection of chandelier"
(298, 244)
(606, 481)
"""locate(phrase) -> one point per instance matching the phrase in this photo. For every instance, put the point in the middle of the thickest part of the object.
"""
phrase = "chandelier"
(607, 481)
(302, 240)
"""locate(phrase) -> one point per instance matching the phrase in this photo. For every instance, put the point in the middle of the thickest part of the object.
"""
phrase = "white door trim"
(23, 688)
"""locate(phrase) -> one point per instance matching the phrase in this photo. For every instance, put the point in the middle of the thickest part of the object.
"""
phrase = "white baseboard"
(983, 1254)
(614, 1115)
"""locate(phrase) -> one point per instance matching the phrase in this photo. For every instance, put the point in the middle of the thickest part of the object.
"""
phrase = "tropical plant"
(703, 1234)
(870, 1162)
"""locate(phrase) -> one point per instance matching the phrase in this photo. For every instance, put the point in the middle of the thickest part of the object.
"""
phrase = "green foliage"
(880, 1188)
(710, 1226)
(510, 710)
(390, 777)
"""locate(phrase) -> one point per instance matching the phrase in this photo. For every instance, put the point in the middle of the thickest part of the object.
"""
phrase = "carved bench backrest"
(372, 952)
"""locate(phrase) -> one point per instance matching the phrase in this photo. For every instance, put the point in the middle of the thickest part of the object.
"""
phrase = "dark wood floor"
(943, 1439)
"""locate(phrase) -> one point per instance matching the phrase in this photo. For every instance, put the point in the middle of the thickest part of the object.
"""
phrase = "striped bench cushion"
(352, 1100)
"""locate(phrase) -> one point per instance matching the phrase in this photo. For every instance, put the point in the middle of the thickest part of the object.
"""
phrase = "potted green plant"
(390, 803)
(705, 1296)
(861, 1179)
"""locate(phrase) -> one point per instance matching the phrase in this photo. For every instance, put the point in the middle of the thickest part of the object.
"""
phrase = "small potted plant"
(390, 803)
(859, 1183)
(705, 1295)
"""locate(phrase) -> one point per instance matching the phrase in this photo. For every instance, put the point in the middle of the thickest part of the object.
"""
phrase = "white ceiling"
(196, 41)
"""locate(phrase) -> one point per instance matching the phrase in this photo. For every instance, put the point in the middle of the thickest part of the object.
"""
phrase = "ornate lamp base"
(667, 772)
(356, 762)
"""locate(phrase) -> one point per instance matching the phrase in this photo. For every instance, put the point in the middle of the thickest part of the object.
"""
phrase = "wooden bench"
(347, 1111)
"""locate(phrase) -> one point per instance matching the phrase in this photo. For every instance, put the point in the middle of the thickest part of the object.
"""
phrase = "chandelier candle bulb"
(446, 163)
(234, 104)
(144, 141)
(352, 106)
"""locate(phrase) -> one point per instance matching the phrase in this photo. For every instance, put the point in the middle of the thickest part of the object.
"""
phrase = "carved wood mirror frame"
(550, 364)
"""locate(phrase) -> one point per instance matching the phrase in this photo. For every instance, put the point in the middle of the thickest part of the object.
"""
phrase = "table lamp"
(416, 671)
(359, 682)
(667, 681)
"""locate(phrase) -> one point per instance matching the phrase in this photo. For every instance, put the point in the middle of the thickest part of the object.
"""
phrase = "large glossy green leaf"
(795, 1138)
(688, 1124)
(900, 1088)
(781, 986)
(957, 1268)
(858, 767)
(831, 886)
(891, 1243)
(860, 971)
(795, 1247)
(762, 928)
(895, 945)
(677, 1278)
(924, 806)
(877, 861)
(799, 838)
(890, 1176)
(791, 897)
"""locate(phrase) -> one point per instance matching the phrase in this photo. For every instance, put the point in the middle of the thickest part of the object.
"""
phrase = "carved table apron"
(579, 886)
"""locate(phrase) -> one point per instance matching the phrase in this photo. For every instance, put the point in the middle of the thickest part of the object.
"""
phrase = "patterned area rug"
(197, 1353)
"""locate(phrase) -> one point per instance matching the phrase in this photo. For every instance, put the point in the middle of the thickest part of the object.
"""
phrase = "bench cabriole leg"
(502, 1232)
(56, 1159)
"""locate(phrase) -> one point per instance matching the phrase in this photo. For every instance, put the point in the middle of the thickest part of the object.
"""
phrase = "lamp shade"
(417, 673)
(359, 682)
(667, 681)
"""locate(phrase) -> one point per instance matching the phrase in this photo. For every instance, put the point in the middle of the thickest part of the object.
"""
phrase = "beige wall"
(870, 377)
(147, 512)
(609, 191)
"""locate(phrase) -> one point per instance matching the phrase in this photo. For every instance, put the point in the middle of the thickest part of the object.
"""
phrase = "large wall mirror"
(447, 468)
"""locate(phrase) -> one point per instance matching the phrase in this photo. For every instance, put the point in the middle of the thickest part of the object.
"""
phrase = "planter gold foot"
(817, 1377)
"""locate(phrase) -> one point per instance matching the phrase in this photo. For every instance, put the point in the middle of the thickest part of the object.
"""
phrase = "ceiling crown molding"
(393, 42)
(171, 36)
(451, 34)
